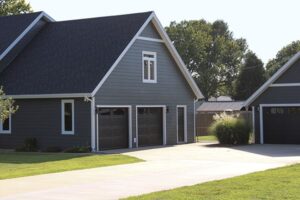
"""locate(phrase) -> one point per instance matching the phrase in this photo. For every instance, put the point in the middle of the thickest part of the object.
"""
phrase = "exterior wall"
(125, 87)
(150, 31)
(41, 119)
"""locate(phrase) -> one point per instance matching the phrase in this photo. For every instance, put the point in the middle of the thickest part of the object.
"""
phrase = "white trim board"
(22, 35)
(261, 106)
(164, 108)
(150, 39)
(48, 96)
(185, 123)
(285, 85)
(265, 86)
(170, 47)
(129, 107)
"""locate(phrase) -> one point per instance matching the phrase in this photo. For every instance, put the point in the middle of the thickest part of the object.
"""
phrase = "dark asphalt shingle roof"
(12, 26)
(70, 56)
(221, 106)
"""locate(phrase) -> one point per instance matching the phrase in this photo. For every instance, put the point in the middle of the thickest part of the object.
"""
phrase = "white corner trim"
(129, 107)
(48, 96)
(93, 127)
(258, 92)
(150, 39)
(253, 122)
(285, 85)
(185, 122)
(17, 40)
(63, 132)
(122, 55)
(164, 108)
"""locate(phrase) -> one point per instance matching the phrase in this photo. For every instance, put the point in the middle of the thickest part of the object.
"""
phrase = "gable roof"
(71, 57)
(271, 80)
(220, 106)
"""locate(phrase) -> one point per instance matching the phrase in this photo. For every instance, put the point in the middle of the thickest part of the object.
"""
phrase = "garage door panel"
(281, 125)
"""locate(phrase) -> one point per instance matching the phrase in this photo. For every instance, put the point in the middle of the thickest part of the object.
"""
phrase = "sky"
(267, 25)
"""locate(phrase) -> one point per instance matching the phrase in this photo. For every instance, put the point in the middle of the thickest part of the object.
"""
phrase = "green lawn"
(14, 165)
(209, 138)
(280, 183)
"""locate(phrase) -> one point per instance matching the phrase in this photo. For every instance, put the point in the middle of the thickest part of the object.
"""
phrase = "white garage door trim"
(164, 107)
(129, 122)
(261, 106)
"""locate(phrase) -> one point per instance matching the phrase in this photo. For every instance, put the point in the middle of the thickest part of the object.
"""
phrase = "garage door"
(281, 125)
(113, 128)
(150, 126)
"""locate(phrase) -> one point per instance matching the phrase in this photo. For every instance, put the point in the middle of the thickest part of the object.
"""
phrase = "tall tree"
(250, 78)
(13, 7)
(210, 52)
(282, 57)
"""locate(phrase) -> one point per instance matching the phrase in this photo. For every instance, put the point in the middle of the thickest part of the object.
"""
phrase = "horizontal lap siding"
(41, 119)
(150, 31)
(291, 75)
(125, 87)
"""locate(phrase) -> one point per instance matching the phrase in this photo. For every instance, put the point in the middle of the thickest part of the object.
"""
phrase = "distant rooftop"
(220, 106)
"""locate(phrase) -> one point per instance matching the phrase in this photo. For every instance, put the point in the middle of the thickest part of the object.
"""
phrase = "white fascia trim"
(272, 79)
(177, 57)
(22, 35)
(48, 96)
(129, 122)
(164, 107)
(122, 55)
(150, 39)
(285, 85)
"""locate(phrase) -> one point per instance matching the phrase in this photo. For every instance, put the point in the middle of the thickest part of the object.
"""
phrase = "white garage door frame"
(261, 106)
(164, 107)
(129, 107)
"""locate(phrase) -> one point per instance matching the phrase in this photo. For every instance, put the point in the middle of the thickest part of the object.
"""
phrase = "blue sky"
(268, 25)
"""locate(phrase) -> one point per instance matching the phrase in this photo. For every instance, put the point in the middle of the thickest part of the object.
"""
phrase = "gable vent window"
(149, 67)
(5, 126)
(67, 116)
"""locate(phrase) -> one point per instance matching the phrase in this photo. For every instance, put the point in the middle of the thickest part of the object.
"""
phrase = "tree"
(13, 7)
(210, 52)
(250, 78)
(6, 106)
(282, 57)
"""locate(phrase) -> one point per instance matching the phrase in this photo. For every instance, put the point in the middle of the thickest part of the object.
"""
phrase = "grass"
(209, 138)
(280, 183)
(14, 165)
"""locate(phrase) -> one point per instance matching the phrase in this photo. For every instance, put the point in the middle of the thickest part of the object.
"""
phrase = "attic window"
(149, 67)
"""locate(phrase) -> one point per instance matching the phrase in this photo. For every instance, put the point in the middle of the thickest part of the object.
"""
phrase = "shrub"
(53, 149)
(230, 129)
(30, 145)
(78, 149)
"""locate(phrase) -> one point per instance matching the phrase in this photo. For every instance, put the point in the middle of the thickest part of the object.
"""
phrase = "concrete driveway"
(165, 168)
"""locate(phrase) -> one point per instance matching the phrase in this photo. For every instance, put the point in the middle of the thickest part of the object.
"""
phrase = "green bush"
(78, 149)
(230, 129)
(30, 145)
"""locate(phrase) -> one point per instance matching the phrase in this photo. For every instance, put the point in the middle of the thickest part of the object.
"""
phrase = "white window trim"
(155, 66)
(63, 132)
(5, 131)
(185, 123)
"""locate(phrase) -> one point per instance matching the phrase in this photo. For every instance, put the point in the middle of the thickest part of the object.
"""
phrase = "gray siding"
(41, 118)
(292, 75)
(125, 87)
(150, 31)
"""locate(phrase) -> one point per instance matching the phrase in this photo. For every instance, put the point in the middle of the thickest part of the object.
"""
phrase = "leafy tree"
(250, 78)
(210, 52)
(282, 57)
(6, 106)
(13, 7)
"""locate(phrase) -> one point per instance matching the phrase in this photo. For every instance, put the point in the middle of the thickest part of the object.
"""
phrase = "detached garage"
(276, 106)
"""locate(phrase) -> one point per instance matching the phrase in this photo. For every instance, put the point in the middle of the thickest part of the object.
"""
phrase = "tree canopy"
(282, 57)
(13, 7)
(210, 52)
(250, 78)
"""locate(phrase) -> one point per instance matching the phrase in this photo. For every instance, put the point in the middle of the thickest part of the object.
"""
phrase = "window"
(149, 67)
(5, 126)
(67, 114)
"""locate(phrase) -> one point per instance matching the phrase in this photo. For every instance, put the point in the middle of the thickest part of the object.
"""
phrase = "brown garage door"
(113, 128)
(150, 126)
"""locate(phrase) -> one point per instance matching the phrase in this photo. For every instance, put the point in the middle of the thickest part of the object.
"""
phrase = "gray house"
(108, 82)
(276, 106)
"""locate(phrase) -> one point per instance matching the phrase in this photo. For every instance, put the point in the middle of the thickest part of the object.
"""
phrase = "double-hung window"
(67, 116)
(149, 67)
(5, 126)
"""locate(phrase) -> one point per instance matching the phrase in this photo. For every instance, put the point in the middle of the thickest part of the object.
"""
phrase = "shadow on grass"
(33, 157)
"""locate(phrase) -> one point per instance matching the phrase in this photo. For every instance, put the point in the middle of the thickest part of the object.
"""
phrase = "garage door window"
(67, 112)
